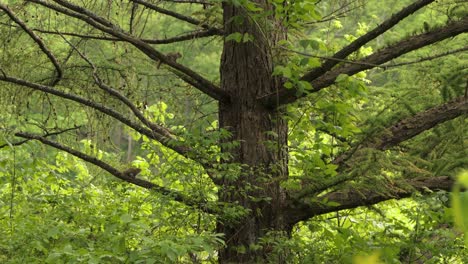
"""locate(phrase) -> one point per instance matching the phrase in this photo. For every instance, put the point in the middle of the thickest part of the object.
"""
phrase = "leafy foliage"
(57, 208)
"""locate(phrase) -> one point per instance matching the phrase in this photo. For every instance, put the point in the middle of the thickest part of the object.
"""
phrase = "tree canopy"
(237, 131)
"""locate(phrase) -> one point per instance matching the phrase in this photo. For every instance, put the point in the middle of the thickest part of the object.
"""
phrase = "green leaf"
(68, 249)
(342, 78)
(331, 203)
(278, 70)
(247, 38)
(315, 44)
(53, 232)
(304, 61)
(236, 36)
(463, 179)
(314, 62)
(304, 43)
(126, 218)
(305, 85)
(460, 204)
(287, 72)
(252, 6)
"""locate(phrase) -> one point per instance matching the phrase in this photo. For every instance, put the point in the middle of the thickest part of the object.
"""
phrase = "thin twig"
(382, 66)
(100, 23)
(204, 3)
(173, 14)
(182, 37)
(38, 41)
(361, 41)
(45, 135)
(385, 66)
(115, 93)
(330, 58)
(167, 142)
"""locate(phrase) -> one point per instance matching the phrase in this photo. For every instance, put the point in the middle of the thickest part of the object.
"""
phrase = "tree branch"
(174, 14)
(392, 52)
(204, 3)
(184, 37)
(165, 141)
(349, 198)
(410, 127)
(361, 41)
(115, 93)
(100, 23)
(119, 174)
(413, 126)
(384, 66)
(19, 143)
(386, 54)
(450, 52)
(392, 136)
(188, 36)
(39, 42)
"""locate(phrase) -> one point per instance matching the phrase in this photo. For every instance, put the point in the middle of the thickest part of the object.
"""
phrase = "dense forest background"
(302, 131)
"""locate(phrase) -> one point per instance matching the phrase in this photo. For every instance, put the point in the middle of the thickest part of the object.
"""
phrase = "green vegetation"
(303, 131)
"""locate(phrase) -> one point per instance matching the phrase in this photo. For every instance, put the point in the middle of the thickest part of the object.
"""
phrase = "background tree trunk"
(246, 74)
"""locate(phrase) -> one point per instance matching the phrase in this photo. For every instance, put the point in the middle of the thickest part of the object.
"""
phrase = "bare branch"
(38, 41)
(132, 18)
(337, 13)
(354, 197)
(117, 173)
(337, 60)
(359, 42)
(203, 84)
(188, 36)
(82, 11)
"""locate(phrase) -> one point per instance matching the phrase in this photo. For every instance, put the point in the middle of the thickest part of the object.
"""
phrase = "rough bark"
(246, 73)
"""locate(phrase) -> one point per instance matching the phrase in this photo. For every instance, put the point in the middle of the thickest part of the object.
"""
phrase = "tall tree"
(259, 83)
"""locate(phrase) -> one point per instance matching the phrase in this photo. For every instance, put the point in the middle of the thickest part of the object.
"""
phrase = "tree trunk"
(246, 74)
